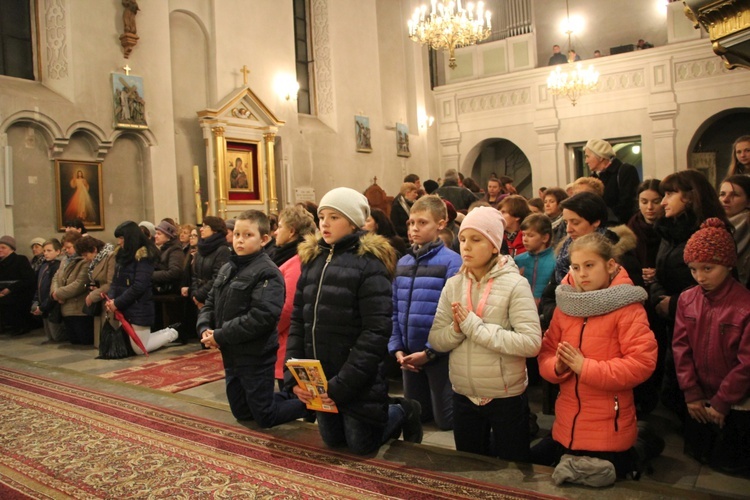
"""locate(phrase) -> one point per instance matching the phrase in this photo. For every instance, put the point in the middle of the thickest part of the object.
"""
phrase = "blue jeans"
(499, 429)
(361, 438)
(432, 388)
(251, 396)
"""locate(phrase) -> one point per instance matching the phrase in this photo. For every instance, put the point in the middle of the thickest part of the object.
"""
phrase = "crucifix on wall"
(244, 72)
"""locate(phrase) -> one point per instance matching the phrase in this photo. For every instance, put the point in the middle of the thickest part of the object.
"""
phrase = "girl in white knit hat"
(488, 321)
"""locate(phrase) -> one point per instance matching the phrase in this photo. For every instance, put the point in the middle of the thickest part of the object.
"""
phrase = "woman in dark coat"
(213, 253)
(401, 207)
(16, 288)
(167, 275)
(130, 292)
(378, 223)
(688, 200)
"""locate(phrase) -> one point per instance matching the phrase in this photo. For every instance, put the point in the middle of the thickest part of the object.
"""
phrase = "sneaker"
(412, 426)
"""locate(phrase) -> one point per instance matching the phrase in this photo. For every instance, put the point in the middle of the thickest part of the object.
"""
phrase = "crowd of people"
(614, 293)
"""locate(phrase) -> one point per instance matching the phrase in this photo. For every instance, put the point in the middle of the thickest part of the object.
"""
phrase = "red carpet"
(58, 440)
(174, 374)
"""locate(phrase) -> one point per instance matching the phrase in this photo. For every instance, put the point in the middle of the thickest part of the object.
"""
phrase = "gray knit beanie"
(350, 203)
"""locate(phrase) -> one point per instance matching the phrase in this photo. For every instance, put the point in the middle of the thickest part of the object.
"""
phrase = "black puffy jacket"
(243, 308)
(343, 317)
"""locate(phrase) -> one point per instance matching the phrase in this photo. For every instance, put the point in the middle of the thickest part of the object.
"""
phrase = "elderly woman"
(185, 231)
(167, 275)
(70, 288)
(620, 179)
(294, 224)
(100, 269)
(16, 288)
(401, 207)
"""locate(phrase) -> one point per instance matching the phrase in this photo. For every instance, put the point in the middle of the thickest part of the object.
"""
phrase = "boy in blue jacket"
(420, 277)
(240, 318)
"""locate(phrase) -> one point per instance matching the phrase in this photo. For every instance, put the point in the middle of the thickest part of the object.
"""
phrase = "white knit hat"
(600, 148)
(352, 204)
(489, 222)
(150, 226)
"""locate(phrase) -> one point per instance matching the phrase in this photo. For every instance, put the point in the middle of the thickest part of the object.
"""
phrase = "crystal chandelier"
(450, 25)
(574, 84)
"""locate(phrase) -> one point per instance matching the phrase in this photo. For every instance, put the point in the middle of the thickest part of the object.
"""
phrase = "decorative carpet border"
(197, 455)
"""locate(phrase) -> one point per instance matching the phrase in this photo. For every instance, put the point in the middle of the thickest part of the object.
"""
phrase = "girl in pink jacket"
(711, 347)
(598, 347)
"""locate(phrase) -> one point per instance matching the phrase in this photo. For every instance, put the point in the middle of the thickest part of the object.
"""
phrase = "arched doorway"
(501, 157)
(710, 150)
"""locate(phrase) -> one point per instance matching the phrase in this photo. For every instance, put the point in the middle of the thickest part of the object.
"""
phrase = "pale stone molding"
(55, 21)
(322, 57)
(697, 69)
(488, 102)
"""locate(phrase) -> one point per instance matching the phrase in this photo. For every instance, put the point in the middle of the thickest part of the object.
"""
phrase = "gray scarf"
(598, 302)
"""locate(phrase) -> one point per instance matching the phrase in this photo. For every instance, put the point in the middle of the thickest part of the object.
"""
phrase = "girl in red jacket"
(711, 347)
(598, 347)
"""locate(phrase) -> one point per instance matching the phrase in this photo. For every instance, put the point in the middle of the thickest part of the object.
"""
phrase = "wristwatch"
(430, 353)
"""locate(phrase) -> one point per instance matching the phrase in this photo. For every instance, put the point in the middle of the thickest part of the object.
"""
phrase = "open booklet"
(309, 375)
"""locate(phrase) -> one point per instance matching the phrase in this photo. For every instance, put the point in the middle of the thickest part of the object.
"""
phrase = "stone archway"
(501, 157)
(716, 135)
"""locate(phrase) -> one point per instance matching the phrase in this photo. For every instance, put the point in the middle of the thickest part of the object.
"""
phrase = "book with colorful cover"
(310, 376)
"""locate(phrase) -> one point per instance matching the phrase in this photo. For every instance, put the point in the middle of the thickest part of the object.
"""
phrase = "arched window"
(303, 56)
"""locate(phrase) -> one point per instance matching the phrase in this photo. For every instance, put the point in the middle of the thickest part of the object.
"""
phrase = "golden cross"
(127, 69)
(244, 72)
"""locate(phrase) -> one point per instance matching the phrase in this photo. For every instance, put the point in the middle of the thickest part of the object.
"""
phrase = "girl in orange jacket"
(598, 347)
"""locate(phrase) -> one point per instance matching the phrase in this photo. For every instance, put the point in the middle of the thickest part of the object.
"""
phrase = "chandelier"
(574, 84)
(450, 25)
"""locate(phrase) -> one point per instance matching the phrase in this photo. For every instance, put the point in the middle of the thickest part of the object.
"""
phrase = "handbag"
(112, 343)
(95, 309)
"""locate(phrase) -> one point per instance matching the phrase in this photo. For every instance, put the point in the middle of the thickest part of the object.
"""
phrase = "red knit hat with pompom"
(712, 243)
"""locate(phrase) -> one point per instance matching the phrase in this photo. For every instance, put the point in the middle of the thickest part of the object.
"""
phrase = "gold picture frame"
(242, 174)
(79, 193)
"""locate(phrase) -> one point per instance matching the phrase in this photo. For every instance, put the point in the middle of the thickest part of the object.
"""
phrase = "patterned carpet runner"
(63, 441)
(174, 374)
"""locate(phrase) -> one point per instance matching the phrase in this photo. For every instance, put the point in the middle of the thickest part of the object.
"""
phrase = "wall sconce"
(425, 121)
(286, 87)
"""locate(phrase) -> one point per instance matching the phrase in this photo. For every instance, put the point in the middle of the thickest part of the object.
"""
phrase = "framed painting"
(242, 173)
(402, 140)
(79, 193)
(129, 101)
(362, 134)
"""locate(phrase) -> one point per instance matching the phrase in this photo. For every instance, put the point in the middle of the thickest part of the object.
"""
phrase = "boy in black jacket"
(240, 318)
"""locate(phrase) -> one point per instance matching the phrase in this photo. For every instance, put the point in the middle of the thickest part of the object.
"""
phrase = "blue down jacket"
(420, 278)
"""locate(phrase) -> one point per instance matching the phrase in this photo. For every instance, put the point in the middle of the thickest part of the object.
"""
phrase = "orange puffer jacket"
(595, 410)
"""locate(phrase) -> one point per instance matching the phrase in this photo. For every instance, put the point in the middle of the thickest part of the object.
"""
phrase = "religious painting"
(705, 163)
(79, 193)
(242, 173)
(129, 101)
(402, 140)
(362, 134)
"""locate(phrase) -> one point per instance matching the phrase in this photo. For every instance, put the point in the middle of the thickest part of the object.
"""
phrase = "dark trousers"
(80, 329)
(726, 449)
(432, 387)
(499, 429)
(361, 438)
(251, 396)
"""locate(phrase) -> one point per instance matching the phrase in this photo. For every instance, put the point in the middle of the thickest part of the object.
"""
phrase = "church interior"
(155, 102)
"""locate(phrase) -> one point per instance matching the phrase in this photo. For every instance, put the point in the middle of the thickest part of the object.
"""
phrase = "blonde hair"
(597, 243)
(432, 204)
(590, 184)
(406, 187)
(493, 260)
(299, 219)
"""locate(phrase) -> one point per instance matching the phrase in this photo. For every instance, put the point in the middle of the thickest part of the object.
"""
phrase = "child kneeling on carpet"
(240, 318)
(342, 317)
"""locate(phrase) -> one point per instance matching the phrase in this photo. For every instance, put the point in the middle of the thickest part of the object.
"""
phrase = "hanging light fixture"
(449, 25)
(578, 81)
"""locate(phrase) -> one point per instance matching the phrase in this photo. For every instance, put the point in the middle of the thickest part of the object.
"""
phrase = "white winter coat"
(488, 357)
